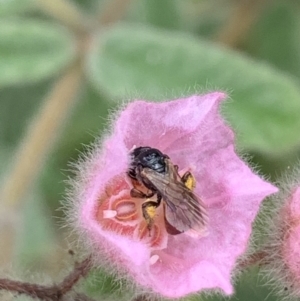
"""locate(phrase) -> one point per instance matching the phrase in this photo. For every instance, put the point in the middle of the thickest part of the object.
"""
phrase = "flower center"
(119, 212)
(154, 201)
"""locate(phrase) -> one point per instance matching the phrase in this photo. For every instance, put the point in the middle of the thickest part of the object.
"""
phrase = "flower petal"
(193, 134)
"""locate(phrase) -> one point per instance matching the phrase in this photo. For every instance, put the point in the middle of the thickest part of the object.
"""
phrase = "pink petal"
(195, 137)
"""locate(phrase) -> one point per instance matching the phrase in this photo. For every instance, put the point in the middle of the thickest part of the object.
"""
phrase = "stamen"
(126, 210)
(156, 237)
(109, 213)
(153, 259)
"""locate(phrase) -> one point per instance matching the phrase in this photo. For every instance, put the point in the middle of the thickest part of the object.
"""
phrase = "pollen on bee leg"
(155, 235)
(189, 180)
(109, 213)
(150, 211)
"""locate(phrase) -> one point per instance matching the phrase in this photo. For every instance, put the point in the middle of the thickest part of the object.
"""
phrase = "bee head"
(146, 157)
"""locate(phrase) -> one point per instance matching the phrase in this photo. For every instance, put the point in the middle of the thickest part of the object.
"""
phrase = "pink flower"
(291, 246)
(283, 244)
(193, 134)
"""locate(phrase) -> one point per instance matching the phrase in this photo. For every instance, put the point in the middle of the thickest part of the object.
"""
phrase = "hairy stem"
(113, 12)
(40, 136)
(65, 12)
(49, 293)
(81, 297)
(32, 153)
(254, 259)
(143, 297)
(239, 23)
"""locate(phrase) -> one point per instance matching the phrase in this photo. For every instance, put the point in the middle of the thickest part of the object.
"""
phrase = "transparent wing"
(183, 210)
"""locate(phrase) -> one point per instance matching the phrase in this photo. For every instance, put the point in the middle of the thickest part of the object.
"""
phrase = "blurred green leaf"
(99, 283)
(205, 17)
(36, 238)
(149, 62)
(87, 122)
(275, 37)
(249, 287)
(4, 152)
(17, 106)
(31, 50)
(162, 13)
(8, 7)
(90, 6)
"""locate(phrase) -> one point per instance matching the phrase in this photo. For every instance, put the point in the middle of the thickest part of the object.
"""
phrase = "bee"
(153, 173)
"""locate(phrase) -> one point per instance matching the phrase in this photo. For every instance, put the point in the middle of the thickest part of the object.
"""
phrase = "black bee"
(152, 169)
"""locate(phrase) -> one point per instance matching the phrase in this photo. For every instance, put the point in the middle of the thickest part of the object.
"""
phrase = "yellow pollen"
(190, 182)
(151, 211)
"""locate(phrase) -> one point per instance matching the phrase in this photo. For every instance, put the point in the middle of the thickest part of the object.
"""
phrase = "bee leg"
(149, 211)
(158, 200)
(150, 194)
(185, 177)
(135, 193)
(189, 180)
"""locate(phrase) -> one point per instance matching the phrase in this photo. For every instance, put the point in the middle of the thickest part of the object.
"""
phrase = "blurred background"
(64, 65)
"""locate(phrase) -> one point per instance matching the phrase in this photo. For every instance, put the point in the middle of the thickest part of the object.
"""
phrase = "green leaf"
(87, 121)
(36, 241)
(249, 286)
(275, 37)
(149, 62)
(99, 283)
(90, 6)
(162, 13)
(4, 153)
(31, 50)
(205, 17)
(15, 114)
(8, 7)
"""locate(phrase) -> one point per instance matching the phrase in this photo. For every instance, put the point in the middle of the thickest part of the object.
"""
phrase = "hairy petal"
(194, 135)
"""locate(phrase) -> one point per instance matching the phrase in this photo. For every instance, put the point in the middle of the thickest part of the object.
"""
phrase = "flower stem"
(40, 136)
(144, 297)
(49, 293)
(254, 259)
(240, 22)
(33, 151)
(82, 297)
(113, 12)
(64, 11)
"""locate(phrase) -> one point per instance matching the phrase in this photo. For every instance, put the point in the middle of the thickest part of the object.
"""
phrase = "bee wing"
(184, 210)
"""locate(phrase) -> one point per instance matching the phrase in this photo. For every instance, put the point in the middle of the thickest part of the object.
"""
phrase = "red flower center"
(119, 212)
